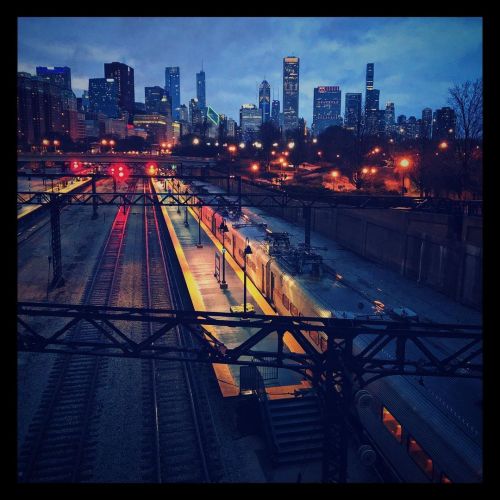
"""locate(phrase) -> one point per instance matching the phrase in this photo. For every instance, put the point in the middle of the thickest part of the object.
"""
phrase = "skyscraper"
(124, 77)
(326, 108)
(290, 92)
(265, 100)
(103, 96)
(201, 91)
(443, 124)
(370, 73)
(250, 121)
(195, 115)
(58, 75)
(173, 89)
(152, 98)
(352, 110)
(390, 117)
(426, 128)
(275, 112)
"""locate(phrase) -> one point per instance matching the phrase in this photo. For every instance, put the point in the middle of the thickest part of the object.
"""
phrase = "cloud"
(416, 59)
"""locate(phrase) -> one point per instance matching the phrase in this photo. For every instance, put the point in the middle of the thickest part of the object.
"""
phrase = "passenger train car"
(414, 426)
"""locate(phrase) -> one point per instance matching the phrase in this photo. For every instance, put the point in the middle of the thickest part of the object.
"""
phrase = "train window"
(322, 342)
(285, 301)
(293, 310)
(314, 336)
(391, 424)
(420, 457)
(445, 478)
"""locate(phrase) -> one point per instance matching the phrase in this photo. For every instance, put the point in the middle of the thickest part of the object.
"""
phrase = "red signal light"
(75, 165)
(119, 171)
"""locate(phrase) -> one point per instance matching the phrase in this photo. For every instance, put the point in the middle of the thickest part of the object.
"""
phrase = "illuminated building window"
(420, 457)
(445, 478)
(391, 424)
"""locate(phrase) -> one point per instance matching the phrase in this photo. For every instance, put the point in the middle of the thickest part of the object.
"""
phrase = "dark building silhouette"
(44, 108)
(326, 108)
(201, 91)
(275, 112)
(124, 77)
(152, 98)
(290, 92)
(173, 89)
(426, 127)
(443, 124)
(58, 75)
(265, 100)
(104, 97)
(352, 108)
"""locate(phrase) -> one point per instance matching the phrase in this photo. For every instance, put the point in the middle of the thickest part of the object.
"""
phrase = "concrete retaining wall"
(444, 252)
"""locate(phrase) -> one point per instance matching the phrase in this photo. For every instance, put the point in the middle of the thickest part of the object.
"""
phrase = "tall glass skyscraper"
(352, 110)
(200, 91)
(326, 108)
(265, 100)
(290, 92)
(250, 121)
(173, 88)
(103, 96)
(370, 73)
(124, 77)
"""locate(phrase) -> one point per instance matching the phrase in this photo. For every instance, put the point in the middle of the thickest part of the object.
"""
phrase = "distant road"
(111, 158)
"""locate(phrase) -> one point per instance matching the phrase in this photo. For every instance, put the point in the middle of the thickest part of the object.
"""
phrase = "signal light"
(75, 165)
(119, 171)
(151, 168)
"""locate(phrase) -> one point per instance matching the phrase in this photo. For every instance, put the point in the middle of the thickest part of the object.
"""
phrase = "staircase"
(296, 428)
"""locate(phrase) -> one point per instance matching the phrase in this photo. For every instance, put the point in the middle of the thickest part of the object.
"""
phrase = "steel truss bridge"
(392, 348)
(272, 199)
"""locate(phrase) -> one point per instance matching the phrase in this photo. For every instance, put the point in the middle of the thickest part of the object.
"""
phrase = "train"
(413, 425)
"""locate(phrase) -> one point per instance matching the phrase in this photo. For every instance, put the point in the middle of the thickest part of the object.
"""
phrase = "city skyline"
(332, 52)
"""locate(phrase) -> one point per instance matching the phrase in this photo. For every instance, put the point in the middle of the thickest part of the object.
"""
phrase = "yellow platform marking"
(198, 303)
(227, 383)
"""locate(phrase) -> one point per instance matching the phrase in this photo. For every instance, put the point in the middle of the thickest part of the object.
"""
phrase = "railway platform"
(198, 265)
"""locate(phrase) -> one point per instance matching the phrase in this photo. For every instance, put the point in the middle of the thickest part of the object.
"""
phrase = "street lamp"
(248, 251)
(111, 144)
(404, 163)
(443, 145)
(242, 145)
(223, 229)
(200, 208)
(56, 143)
(315, 140)
(291, 145)
(335, 174)
(196, 141)
(186, 223)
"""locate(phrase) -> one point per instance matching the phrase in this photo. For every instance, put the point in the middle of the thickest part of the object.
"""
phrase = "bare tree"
(467, 101)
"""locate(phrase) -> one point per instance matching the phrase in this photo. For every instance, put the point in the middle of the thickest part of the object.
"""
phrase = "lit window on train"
(391, 424)
(285, 301)
(420, 457)
(314, 336)
(445, 478)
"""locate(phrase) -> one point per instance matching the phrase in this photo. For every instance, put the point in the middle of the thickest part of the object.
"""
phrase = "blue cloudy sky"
(416, 59)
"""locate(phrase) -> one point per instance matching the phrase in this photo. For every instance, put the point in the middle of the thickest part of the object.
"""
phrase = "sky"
(416, 59)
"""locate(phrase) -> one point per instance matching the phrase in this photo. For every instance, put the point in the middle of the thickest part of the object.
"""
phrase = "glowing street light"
(364, 170)
(196, 141)
(248, 251)
(335, 174)
(443, 145)
(255, 167)
(405, 163)
(273, 152)
(275, 144)
(376, 150)
(373, 170)
(231, 149)
(223, 229)
(242, 145)
(291, 145)
(315, 140)
(104, 142)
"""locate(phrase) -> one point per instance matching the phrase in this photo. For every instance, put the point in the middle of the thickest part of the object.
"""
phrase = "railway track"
(61, 438)
(181, 443)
